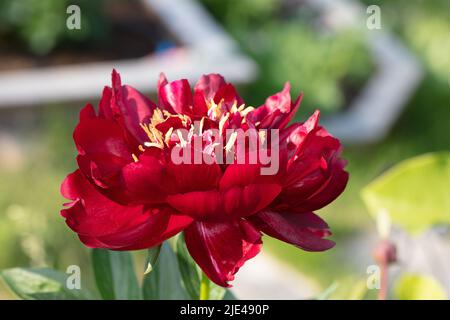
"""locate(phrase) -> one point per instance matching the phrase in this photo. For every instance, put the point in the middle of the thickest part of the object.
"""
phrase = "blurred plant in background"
(425, 25)
(399, 196)
(40, 25)
(288, 42)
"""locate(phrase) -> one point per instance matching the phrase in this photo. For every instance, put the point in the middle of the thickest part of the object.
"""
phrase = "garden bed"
(129, 30)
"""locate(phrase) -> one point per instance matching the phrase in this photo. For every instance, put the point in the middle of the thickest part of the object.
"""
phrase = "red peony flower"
(131, 191)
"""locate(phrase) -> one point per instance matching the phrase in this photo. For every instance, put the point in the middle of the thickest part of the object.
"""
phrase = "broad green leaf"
(41, 284)
(188, 269)
(418, 287)
(152, 257)
(164, 282)
(415, 193)
(115, 275)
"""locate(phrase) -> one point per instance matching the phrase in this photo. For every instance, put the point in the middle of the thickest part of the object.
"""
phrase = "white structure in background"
(264, 277)
(397, 75)
(205, 48)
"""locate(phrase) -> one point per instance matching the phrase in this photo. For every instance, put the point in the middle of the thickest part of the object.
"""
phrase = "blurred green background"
(329, 69)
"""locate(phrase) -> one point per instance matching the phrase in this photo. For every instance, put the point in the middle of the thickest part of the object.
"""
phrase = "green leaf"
(41, 284)
(415, 193)
(218, 293)
(115, 275)
(164, 282)
(418, 287)
(189, 271)
(152, 257)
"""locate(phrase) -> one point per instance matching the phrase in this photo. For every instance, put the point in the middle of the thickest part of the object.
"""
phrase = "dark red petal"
(277, 111)
(192, 177)
(229, 96)
(87, 112)
(247, 200)
(104, 107)
(129, 108)
(315, 174)
(91, 213)
(197, 204)
(280, 101)
(102, 141)
(161, 225)
(299, 229)
(103, 149)
(333, 187)
(300, 132)
(221, 248)
(102, 223)
(176, 95)
(208, 85)
(145, 181)
(98, 136)
(234, 202)
(244, 174)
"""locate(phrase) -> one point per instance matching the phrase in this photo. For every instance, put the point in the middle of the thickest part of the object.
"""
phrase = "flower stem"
(382, 293)
(204, 287)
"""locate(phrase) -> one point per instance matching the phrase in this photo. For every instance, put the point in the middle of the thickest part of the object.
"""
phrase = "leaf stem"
(204, 287)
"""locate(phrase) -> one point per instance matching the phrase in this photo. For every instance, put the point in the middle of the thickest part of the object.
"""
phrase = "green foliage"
(152, 257)
(412, 286)
(414, 193)
(316, 64)
(114, 275)
(164, 282)
(287, 46)
(425, 25)
(188, 269)
(40, 25)
(40, 284)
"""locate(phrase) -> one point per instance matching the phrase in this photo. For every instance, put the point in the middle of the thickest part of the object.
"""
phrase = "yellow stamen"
(231, 141)
(183, 142)
(168, 136)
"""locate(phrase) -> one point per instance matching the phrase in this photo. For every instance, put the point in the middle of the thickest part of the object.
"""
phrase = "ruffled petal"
(102, 223)
(162, 224)
(315, 173)
(304, 230)
(103, 154)
(144, 181)
(277, 111)
(221, 248)
(176, 96)
(208, 85)
(92, 214)
(205, 90)
(127, 106)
